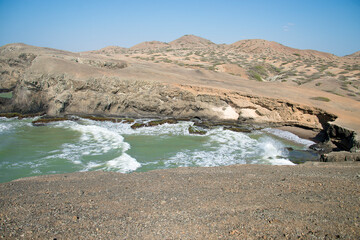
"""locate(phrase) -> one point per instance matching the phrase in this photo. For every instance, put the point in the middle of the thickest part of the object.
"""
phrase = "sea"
(87, 145)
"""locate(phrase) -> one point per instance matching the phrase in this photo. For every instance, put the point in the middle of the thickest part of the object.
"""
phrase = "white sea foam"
(124, 162)
(288, 136)
(180, 128)
(228, 147)
(10, 124)
(96, 140)
(4, 127)
(281, 161)
(36, 171)
(91, 165)
(223, 147)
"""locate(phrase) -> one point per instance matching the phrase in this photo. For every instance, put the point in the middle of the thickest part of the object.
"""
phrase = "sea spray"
(273, 151)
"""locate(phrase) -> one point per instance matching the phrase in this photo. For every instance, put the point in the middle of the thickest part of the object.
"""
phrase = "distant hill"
(110, 50)
(150, 45)
(187, 41)
(354, 55)
(264, 47)
(255, 59)
(252, 59)
(249, 46)
(192, 41)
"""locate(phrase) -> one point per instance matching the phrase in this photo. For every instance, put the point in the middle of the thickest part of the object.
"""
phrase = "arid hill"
(111, 50)
(192, 42)
(273, 49)
(152, 45)
(258, 60)
(354, 55)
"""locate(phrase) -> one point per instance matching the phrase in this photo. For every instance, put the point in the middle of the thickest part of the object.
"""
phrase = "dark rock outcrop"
(343, 138)
(340, 157)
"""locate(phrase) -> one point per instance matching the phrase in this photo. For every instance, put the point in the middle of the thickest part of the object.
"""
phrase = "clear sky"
(75, 25)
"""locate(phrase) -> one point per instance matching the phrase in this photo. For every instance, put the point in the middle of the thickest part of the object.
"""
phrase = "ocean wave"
(5, 127)
(96, 141)
(10, 124)
(227, 148)
(272, 151)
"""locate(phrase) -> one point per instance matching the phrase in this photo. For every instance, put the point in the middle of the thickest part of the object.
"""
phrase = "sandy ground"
(302, 132)
(309, 201)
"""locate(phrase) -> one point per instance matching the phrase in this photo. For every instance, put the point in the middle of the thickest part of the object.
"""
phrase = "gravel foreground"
(308, 201)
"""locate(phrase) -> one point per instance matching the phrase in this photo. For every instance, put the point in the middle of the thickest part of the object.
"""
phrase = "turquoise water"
(86, 145)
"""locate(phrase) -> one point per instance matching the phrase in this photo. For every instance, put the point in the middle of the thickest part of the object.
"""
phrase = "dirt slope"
(311, 201)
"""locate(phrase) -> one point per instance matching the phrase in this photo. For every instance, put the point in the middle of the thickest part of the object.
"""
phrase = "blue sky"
(325, 25)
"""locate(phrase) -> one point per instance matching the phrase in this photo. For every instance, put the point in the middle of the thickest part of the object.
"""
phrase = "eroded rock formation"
(59, 83)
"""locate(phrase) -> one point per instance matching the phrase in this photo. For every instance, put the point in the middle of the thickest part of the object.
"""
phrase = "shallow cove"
(87, 145)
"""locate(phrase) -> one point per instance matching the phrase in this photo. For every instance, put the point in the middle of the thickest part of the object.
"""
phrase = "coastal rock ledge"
(59, 95)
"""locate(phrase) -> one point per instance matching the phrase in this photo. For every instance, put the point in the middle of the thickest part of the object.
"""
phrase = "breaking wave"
(96, 141)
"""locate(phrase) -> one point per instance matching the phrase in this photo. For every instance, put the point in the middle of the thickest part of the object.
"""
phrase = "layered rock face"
(62, 94)
(59, 83)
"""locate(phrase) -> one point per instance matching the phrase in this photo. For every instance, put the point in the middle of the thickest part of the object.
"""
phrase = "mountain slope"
(151, 45)
(110, 50)
(264, 47)
(192, 41)
(354, 55)
(257, 59)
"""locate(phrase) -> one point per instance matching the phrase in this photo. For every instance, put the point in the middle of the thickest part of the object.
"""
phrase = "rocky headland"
(110, 82)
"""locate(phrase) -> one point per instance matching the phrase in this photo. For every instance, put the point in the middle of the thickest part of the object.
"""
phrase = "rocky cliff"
(61, 94)
(59, 83)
